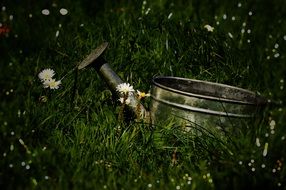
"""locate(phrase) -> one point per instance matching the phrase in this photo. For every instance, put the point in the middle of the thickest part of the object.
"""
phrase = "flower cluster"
(128, 97)
(125, 90)
(46, 77)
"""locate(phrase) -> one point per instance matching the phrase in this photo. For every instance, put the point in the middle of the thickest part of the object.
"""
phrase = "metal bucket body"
(194, 103)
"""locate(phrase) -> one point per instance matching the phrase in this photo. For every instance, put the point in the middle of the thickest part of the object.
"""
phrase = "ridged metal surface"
(193, 102)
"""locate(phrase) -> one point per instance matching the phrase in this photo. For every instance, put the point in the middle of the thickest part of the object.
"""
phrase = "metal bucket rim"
(260, 100)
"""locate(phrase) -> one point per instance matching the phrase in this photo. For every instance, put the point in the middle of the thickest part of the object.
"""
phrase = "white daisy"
(52, 84)
(127, 101)
(209, 28)
(46, 74)
(265, 149)
(45, 12)
(124, 88)
(63, 11)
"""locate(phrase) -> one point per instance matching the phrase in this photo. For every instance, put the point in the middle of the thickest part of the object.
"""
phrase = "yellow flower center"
(142, 94)
(53, 84)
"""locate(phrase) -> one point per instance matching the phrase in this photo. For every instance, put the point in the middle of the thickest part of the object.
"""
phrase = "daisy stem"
(120, 116)
(138, 109)
(70, 71)
(74, 92)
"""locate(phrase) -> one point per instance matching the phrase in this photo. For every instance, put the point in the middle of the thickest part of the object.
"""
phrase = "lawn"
(79, 136)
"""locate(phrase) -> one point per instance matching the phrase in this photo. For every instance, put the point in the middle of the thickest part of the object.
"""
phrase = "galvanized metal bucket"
(194, 103)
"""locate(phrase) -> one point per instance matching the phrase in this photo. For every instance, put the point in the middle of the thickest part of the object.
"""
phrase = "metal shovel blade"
(93, 55)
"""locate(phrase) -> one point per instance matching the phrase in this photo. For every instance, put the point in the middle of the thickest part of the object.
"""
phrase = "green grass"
(74, 140)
